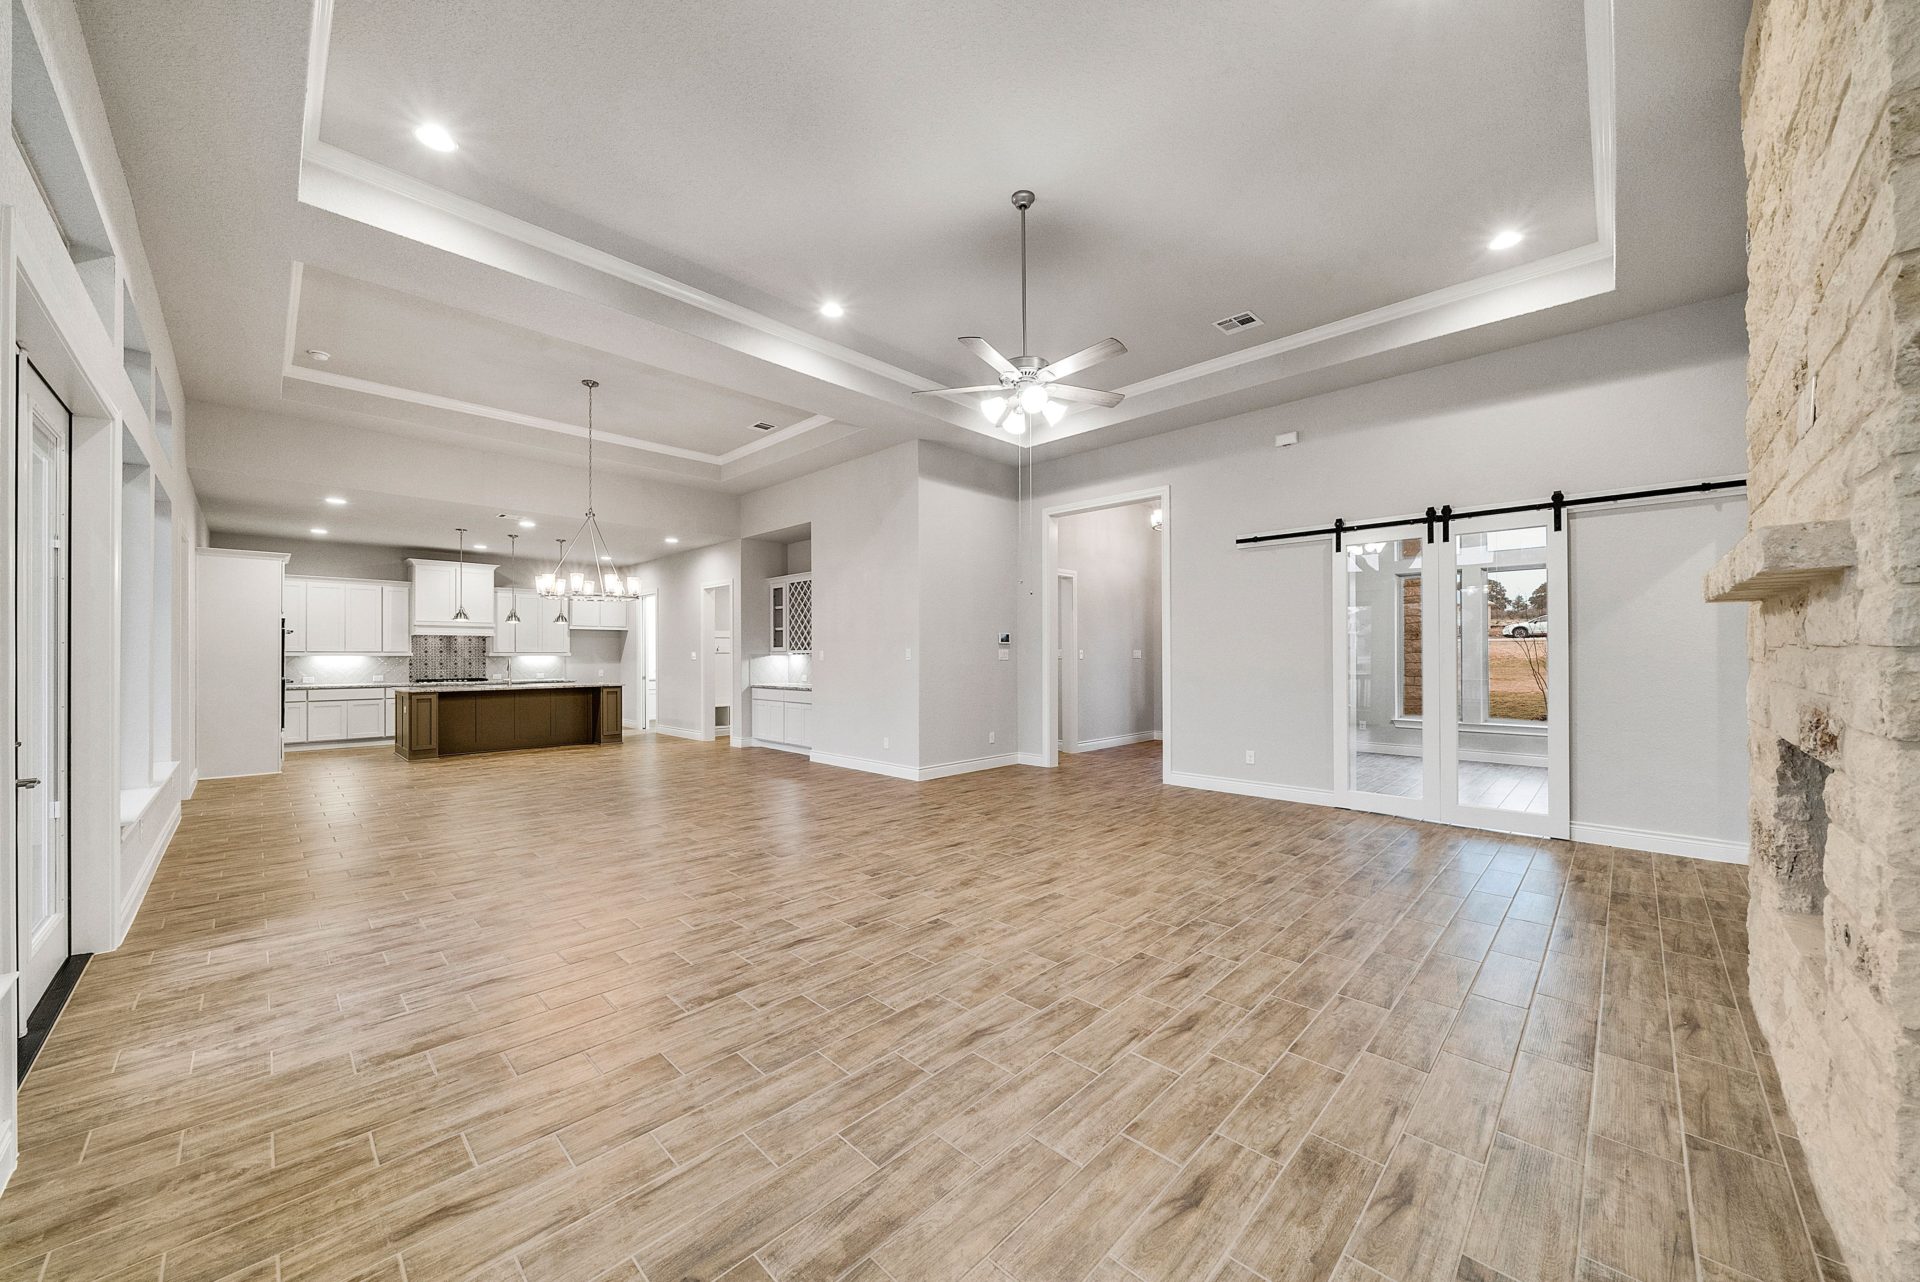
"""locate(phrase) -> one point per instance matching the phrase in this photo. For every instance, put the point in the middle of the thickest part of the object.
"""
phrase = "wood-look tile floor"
(667, 1010)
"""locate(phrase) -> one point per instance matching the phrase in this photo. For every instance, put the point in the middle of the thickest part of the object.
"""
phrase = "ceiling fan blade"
(1084, 395)
(985, 351)
(1105, 349)
(962, 391)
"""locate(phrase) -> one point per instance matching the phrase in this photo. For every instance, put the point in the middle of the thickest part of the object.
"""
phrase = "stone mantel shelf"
(1779, 560)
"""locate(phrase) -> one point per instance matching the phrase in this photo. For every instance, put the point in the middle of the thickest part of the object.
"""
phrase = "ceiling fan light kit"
(1028, 385)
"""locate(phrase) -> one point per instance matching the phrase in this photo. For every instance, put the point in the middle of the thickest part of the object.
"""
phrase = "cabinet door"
(433, 593)
(556, 637)
(777, 610)
(506, 638)
(769, 721)
(585, 613)
(295, 730)
(364, 719)
(479, 593)
(363, 613)
(293, 604)
(326, 618)
(796, 717)
(396, 633)
(327, 722)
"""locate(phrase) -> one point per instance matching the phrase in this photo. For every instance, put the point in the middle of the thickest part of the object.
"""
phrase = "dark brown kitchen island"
(452, 720)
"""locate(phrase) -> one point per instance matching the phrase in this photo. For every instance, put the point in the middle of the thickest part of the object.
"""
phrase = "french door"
(1452, 704)
(42, 889)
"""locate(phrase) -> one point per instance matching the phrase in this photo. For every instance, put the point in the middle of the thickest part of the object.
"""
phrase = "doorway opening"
(643, 689)
(716, 661)
(1106, 626)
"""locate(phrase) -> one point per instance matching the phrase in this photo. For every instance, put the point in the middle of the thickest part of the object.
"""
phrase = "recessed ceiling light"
(335, 500)
(436, 136)
(1505, 240)
(316, 530)
(672, 539)
(525, 524)
(479, 547)
(832, 310)
(314, 353)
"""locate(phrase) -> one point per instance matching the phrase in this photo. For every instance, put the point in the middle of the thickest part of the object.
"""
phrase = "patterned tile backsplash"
(448, 659)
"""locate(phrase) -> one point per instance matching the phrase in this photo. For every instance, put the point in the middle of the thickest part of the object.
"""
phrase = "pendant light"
(460, 580)
(591, 579)
(513, 599)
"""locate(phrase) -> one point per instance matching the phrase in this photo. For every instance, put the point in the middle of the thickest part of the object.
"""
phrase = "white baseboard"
(865, 764)
(1030, 759)
(1251, 788)
(795, 749)
(1115, 741)
(137, 893)
(677, 732)
(1661, 843)
(950, 768)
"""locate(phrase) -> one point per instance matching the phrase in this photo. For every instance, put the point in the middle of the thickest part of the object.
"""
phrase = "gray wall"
(1656, 399)
(1115, 556)
(679, 580)
(966, 588)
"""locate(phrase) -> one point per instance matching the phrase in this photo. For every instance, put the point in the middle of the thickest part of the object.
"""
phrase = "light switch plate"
(1139, 654)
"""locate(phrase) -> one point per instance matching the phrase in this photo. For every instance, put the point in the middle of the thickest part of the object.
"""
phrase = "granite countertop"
(341, 685)
(448, 687)
(781, 685)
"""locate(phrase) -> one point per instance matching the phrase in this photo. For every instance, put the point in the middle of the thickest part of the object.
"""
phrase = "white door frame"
(39, 954)
(644, 650)
(1344, 792)
(1068, 660)
(707, 726)
(1162, 497)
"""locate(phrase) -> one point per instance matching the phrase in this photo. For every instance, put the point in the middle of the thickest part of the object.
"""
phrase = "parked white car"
(1526, 628)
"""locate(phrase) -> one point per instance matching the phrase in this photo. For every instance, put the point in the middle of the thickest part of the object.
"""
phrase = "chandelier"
(591, 573)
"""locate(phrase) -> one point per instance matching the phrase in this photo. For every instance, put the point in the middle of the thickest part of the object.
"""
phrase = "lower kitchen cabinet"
(338, 716)
(326, 721)
(293, 728)
(781, 717)
(366, 719)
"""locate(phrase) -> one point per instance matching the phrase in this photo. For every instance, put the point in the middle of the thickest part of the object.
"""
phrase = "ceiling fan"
(1028, 385)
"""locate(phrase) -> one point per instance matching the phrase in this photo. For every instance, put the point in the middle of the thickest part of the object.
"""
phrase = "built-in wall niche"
(136, 357)
(149, 728)
(46, 142)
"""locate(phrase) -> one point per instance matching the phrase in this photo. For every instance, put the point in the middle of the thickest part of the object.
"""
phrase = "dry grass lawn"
(1514, 694)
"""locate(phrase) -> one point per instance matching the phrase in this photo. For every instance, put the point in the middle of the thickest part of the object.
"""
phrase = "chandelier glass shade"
(584, 567)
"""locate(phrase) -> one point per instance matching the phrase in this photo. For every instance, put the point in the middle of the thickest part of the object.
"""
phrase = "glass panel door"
(1386, 755)
(1504, 744)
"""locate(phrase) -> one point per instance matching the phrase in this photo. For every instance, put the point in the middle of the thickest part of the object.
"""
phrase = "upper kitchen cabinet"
(538, 630)
(602, 613)
(790, 610)
(442, 588)
(345, 616)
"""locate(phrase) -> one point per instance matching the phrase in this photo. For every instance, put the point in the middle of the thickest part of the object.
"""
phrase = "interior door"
(1503, 676)
(42, 892)
(1067, 665)
(1386, 747)
(649, 617)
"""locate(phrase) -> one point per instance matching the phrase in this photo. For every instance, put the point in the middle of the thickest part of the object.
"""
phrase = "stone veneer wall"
(1831, 119)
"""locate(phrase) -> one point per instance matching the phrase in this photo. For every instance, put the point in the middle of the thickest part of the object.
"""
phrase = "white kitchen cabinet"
(396, 636)
(782, 718)
(293, 605)
(362, 618)
(326, 721)
(441, 588)
(536, 632)
(790, 612)
(326, 617)
(365, 720)
(346, 616)
(294, 729)
(386, 720)
(598, 613)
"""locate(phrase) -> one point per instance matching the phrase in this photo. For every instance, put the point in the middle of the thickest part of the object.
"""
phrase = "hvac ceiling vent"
(1235, 323)
(763, 427)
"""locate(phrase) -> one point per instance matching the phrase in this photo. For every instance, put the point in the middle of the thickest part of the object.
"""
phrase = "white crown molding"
(1575, 265)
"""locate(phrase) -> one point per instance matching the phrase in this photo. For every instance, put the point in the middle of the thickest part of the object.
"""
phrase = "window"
(1517, 624)
(1412, 673)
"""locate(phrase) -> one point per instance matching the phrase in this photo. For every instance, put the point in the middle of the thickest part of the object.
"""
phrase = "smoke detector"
(1237, 322)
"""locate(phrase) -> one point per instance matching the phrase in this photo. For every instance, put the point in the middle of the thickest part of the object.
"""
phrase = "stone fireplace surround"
(1830, 108)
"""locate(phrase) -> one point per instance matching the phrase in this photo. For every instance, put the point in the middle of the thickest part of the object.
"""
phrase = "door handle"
(26, 783)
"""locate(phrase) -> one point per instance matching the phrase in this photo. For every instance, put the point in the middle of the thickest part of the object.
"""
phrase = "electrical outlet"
(1139, 654)
(1249, 756)
(909, 654)
(992, 735)
(885, 743)
(1005, 655)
